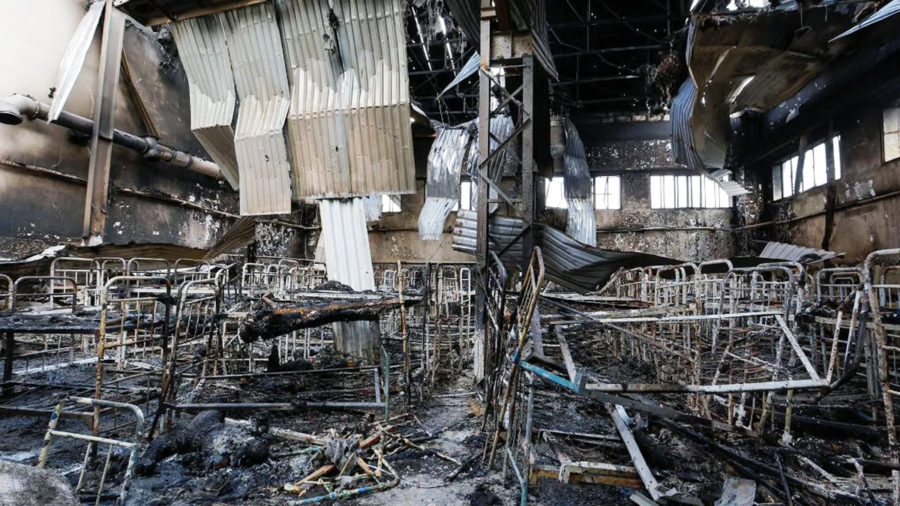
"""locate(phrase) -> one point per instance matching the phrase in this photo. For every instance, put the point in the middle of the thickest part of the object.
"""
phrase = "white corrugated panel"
(204, 54)
(257, 60)
(582, 222)
(347, 255)
(733, 189)
(349, 118)
(794, 253)
(372, 205)
(433, 215)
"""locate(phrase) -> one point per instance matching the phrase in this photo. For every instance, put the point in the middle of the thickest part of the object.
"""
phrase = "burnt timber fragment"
(269, 322)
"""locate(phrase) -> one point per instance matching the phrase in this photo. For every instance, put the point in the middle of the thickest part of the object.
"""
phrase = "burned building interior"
(450, 252)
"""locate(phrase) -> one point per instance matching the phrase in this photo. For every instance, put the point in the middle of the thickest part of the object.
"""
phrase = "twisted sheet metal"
(682, 132)
(526, 15)
(568, 263)
(892, 8)
(683, 148)
(433, 216)
(581, 222)
(349, 116)
(347, 255)
(257, 59)
(445, 162)
(204, 54)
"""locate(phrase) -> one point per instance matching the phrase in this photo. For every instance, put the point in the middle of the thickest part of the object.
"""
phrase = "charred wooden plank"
(268, 322)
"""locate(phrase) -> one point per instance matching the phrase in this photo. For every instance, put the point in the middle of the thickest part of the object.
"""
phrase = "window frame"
(617, 195)
(789, 176)
(695, 192)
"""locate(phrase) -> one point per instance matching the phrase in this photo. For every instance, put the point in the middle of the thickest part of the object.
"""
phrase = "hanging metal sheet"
(433, 215)
(681, 116)
(257, 60)
(445, 163)
(581, 223)
(73, 58)
(347, 255)
(526, 15)
(467, 70)
(349, 121)
(577, 174)
(204, 54)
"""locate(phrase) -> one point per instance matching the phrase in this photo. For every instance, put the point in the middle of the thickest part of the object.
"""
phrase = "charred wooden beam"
(269, 322)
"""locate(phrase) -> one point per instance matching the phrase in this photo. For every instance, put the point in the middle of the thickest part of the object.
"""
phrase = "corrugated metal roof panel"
(257, 60)
(347, 255)
(732, 188)
(445, 163)
(794, 253)
(204, 54)
(582, 222)
(349, 116)
(433, 216)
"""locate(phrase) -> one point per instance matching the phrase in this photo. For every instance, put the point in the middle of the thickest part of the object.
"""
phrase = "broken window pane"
(465, 196)
(555, 193)
(836, 142)
(684, 192)
(390, 203)
(776, 182)
(607, 192)
(891, 130)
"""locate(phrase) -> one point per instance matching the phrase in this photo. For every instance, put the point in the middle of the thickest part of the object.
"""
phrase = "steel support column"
(518, 91)
(481, 237)
(104, 113)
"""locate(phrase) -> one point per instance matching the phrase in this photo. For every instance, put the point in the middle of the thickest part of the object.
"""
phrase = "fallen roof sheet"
(794, 253)
(568, 262)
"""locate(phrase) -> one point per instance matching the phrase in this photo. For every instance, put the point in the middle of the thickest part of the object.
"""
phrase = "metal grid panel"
(257, 59)
(201, 45)
(349, 116)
